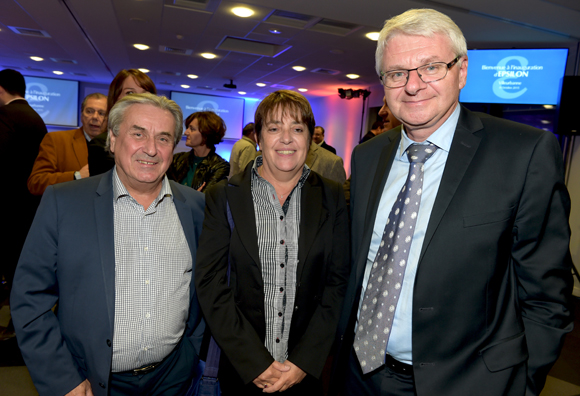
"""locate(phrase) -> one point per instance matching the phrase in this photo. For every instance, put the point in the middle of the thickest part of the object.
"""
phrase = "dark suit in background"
(235, 314)
(328, 147)
(75, 223)
(21, 131)
(490, 302)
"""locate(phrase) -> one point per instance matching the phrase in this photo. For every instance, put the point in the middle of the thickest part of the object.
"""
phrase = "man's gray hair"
(95, 95)
(420, 22)
(117, 113)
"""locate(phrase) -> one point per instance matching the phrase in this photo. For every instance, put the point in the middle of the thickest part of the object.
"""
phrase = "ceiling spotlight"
(184, 86)
(242, 12)
(353, 76)
(548, 107)
(275, 31)
(302, 89)
(208, 55)
(192, 76)
(352, 93)
(141, 47)
(299, 68)
(36, 58)
(231, 85)
(143, 70)
(58, 72)
(241, 92)
(260, 84)
(373, 36)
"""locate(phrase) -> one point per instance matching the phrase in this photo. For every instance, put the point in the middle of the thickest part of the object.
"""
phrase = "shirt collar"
(13, 100)
(119, 189)
(87, 136)
(441, 138)
(258, 162)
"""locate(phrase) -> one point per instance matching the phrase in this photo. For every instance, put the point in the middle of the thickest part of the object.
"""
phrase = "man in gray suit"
(325, 163)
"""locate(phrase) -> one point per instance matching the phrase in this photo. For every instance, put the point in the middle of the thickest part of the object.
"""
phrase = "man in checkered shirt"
(115, 253)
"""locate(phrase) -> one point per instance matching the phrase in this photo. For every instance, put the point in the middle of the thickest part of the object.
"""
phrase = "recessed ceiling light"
(184, 86)
(275, 31)
(141, 47)
(299, 68)
(260, 84)
(353, 76)
(208, 55)
(243, 12)
(241, 92)
(302, 89)
(36, 58)
(545, 122)
(58, 72)
(548, 107)
(143, 70)
(373, 36)
(192, 76)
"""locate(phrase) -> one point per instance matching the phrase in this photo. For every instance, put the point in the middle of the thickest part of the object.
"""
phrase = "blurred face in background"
(130, 86)
(318, 135)
(389, 119)
(194, 138)
(93, 116)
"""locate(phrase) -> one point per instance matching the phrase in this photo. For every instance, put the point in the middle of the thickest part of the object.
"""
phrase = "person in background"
(389, 120)
(288, 252)
(63, 154)
(201, 167)
(21, 131)
(376, 129)
(244, 150)
(116, 252)
(318, 138)
(126, 82)
(461, 279)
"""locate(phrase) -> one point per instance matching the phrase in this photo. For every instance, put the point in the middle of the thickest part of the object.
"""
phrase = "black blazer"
(235, 314)
(328, 147)
(493, 283)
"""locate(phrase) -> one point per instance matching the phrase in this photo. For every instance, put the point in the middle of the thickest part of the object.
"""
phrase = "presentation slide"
(56, 101)
(515, 76)
(231, 110)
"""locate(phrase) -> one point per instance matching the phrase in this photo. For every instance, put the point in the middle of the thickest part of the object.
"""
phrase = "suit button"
(109, 342)
(102, 385)
(296, 308)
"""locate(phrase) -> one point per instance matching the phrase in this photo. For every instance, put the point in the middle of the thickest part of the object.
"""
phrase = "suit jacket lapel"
(106, 239)
(239, 196)
(186, 220)
(463, 149)
(80, 146)
(382, 172)
(312, 155)
(312, 216)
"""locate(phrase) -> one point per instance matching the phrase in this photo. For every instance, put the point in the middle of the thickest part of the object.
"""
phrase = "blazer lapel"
(186, 221)
(313, 215)
(383, 168)
(80, 147)
(463, 149)
(239, 196)
(312, 155)
(106, 239)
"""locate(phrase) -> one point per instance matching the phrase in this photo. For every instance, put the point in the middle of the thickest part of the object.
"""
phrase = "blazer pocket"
(487, 218)
(506, 353)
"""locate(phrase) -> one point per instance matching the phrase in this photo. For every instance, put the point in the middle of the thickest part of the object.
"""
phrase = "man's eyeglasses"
(428, 73)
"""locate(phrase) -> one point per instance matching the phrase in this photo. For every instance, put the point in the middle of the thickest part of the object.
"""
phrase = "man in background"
(244, 150)
(461, 272)
(318, 138)
(389, 120)
(21, 131)
(116, 252)
(325, 163)
(63, 155)
(376, 129)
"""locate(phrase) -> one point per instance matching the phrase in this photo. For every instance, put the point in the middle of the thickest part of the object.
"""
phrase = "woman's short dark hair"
(210, 125)
(116, 86)
(289, 103)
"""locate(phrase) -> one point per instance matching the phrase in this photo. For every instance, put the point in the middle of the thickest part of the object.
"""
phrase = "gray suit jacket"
(325, 163)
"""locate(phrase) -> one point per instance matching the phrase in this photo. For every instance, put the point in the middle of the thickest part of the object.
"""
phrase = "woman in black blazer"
(289, 255)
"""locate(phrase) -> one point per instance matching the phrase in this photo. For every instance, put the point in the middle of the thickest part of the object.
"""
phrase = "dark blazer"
(328, 147)
(491, 295)
(100, 159)
(21, 131)
(61, 154)
(235, 314)
(69, 259)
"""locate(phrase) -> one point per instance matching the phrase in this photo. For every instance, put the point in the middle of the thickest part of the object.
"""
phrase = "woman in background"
(201, 167)
(284, 231)
(126, 82)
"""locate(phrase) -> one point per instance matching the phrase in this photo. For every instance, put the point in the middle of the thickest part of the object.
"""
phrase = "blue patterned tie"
(386, 277)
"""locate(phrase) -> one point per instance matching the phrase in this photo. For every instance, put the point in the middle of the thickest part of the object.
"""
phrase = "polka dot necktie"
(386, 277)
